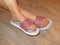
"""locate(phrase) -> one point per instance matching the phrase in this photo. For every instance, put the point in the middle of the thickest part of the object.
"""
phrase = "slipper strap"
(26, 24)
(38, 20)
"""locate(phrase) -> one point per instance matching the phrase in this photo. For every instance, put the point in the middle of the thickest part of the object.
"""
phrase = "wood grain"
(10, 35)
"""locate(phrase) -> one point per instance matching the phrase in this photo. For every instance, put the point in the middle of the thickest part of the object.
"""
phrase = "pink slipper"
(39, 19)
(24, 26)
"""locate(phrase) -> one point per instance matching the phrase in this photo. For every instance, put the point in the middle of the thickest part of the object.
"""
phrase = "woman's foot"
(27, 14)
(24, 23)
(22, 19)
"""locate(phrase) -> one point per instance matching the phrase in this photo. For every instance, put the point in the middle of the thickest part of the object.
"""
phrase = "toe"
(44, 23)
(32, 27)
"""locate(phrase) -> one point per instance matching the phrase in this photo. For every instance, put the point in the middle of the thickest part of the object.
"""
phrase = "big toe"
(32, 27)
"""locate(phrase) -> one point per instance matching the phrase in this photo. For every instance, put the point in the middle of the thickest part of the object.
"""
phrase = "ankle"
(18, 17)
(27, 14)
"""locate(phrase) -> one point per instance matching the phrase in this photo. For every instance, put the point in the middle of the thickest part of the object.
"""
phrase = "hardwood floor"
(10, 35)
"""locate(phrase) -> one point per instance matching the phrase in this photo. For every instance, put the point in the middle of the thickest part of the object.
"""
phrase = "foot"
(33, 17)
(21, 19)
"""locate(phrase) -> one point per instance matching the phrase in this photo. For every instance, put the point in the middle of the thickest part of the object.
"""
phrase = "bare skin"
(16, 14)
(33, 17)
